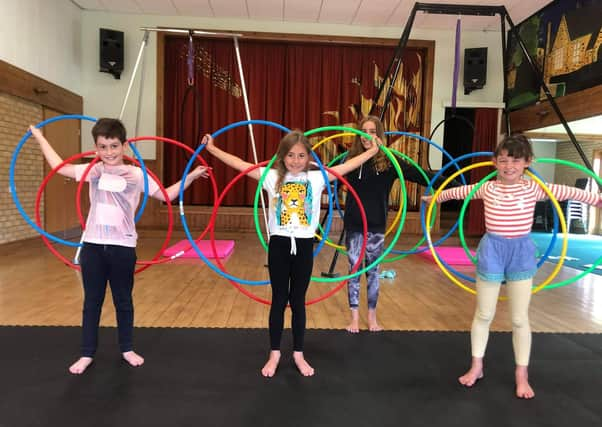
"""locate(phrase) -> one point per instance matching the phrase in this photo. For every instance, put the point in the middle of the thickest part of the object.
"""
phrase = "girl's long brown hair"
(380, 160)
(286, 143)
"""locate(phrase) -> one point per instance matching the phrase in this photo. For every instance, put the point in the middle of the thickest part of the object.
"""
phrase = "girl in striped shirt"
(506, 252)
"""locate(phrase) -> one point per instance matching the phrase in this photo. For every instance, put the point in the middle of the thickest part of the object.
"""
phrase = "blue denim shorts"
(500, 258)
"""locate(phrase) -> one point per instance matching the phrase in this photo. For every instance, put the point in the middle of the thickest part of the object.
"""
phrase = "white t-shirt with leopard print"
(295, 209)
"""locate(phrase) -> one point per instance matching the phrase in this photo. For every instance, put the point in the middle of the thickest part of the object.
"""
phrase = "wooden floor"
(37, 289)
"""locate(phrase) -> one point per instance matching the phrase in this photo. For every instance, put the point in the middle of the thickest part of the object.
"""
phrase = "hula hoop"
(168, 203)
(235, 281)
(599, 181)
(390, 247)
(343, 250)
(13, 189)
(436, 256)
(463, 211)
(488, 154)
(429, 188)
(43, 187)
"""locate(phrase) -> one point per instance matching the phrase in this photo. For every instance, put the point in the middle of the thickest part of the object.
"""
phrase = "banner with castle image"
(565, 39)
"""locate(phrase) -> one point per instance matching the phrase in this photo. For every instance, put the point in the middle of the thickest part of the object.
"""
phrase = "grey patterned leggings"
(374, 249)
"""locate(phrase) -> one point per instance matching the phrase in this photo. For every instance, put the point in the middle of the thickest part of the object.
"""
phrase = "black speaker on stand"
(111, 52)
(475, 69)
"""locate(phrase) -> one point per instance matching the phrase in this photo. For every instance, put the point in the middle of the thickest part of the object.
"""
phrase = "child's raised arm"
(355, 162)
(50, 155)
(174, 189)
(230, 159)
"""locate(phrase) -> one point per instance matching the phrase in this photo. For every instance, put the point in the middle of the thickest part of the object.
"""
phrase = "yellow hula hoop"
(446, 271)
(565, 240)
(397, 216)
(328, 138)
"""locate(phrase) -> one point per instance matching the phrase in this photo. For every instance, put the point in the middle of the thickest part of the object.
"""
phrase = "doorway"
(60, 216)
(458, 133)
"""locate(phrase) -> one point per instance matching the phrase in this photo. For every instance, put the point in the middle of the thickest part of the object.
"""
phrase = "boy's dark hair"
(109, 128)
(517, 146)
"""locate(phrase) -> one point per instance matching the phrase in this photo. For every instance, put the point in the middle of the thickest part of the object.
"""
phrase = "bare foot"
(269, 369)
(80, 365)
(132, 358)
(523, 389)
(304, 367)
(354, 326)
(474, 374)
(373, 325)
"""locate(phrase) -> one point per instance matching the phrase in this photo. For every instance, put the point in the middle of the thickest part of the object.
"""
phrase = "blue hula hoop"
(428, 188)
(13, 188)
(423, 217)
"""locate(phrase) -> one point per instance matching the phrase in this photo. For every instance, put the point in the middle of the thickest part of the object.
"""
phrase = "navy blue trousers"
(101, 264)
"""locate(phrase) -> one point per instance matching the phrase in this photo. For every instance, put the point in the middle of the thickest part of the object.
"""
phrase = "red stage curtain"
(299, 85)
(484, 139)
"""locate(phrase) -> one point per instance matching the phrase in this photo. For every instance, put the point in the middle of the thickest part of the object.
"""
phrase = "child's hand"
(200, 172)
(427, 199)
(208, 141)
(35, 132)
(375, 144)
(599, 205)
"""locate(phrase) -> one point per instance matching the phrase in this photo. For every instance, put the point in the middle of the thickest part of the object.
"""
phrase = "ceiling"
(390, 13)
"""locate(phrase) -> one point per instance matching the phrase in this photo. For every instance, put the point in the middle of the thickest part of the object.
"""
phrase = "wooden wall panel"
(580, 105)
(17, 82)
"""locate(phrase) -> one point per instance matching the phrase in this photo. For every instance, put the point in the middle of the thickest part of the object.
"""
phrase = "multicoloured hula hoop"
(183, 218)
(599, 181)
(429, 188)
(427, 217)
(558, 213)
(436, 256)
(13, 189)
(169, 207)
(54, 171)
(489, 154)
(235, 281)
(463, 212)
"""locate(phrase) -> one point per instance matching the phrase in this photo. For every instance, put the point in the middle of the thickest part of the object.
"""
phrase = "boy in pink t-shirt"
(109, 244)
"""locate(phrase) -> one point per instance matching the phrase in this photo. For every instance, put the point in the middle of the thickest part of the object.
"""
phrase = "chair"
(576, 217)
(576, 212)
(541, 217)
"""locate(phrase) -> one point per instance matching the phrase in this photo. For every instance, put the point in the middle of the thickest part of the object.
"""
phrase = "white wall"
(43, 38)
(544, 149)
(103, 95)
(589, 126)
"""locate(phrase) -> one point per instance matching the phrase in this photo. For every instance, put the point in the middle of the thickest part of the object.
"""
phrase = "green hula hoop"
(393, 160)
(491, 175)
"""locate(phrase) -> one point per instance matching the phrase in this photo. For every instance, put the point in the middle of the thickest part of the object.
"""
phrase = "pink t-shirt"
(114, 197)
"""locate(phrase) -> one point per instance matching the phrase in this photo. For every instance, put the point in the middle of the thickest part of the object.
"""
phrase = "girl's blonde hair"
(286, 143)
(380, 160)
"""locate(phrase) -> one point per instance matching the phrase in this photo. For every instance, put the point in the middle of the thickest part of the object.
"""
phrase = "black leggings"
(289, 278)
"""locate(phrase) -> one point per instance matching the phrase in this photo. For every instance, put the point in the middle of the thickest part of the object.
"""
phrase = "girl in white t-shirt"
(294, 207)
(109, 244)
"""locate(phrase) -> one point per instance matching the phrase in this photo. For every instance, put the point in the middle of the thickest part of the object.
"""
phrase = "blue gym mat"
(582, 250)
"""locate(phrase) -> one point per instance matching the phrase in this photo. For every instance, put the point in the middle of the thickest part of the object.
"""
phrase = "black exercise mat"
(210, 377)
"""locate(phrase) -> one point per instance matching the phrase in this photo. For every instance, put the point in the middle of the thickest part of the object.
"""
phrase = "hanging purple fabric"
(456, 65)
(190, 60)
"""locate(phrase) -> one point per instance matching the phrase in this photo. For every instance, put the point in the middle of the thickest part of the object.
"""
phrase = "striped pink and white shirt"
(509, 208)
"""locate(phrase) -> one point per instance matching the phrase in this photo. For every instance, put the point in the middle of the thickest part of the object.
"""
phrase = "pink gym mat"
(453, 255)
(223, 248)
